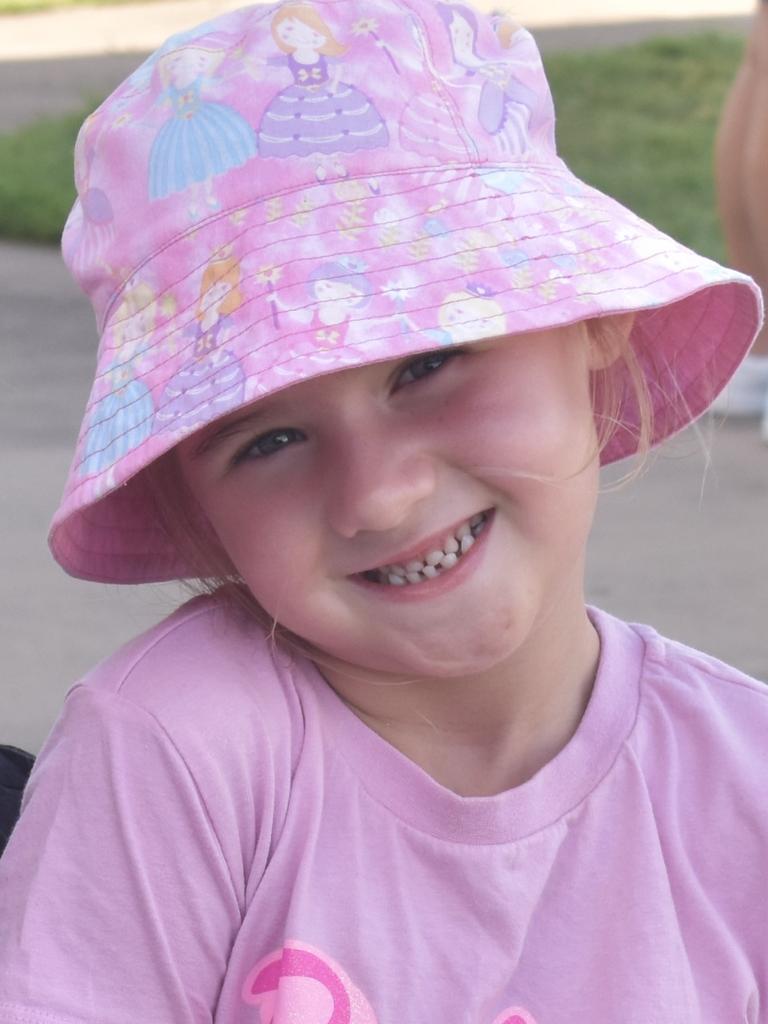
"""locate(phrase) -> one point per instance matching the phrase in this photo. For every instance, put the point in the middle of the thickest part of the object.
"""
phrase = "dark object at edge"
(15, 766)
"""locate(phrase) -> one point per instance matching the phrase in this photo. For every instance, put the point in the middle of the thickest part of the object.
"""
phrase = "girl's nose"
(376, 486)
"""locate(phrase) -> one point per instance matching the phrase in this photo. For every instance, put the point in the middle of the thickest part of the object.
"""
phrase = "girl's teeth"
(416, 571)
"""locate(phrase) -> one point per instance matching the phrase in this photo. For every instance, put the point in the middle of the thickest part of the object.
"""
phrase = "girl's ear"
(608, 338)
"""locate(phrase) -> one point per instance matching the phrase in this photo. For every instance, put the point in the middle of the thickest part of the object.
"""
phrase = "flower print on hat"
(319, 113)
(299, 983)
(203, 138)
(212, 381)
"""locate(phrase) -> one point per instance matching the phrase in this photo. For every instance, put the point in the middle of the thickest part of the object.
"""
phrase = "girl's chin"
(446, 662)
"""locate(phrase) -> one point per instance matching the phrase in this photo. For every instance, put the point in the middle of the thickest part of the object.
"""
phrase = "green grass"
(639, 123)
(636, 122)
(36, 178)
(32, 6)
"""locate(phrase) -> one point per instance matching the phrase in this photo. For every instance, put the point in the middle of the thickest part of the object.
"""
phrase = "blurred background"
(638, 87)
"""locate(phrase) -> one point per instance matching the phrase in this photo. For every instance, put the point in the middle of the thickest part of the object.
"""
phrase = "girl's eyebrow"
(230, 429)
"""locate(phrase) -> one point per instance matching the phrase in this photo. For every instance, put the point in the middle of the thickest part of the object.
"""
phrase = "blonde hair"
(619, 381)
(138, 298)
(308, 16)
(193, 537)
(506, 30)
(226, 269)
(618, 386)
(166, 62)
(482, 307)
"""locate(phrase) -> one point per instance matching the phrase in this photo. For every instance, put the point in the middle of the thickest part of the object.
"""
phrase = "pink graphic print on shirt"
(515, 1015)
(301, 983)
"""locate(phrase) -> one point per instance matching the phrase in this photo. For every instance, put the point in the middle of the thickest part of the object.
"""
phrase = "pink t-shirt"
(211, 835)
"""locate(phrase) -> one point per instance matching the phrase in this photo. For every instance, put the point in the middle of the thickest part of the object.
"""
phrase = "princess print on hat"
(504, 103)
(122, 418)
(202, 139)
(339, 289)
(319, 113)
(95, 222)
(336, 290)
(211, 378)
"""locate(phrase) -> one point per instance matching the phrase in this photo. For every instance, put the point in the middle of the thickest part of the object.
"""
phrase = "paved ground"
(684, 547)
(142, 26)
(48, 86)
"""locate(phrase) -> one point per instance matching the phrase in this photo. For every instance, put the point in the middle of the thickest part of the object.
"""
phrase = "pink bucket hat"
(293, 189)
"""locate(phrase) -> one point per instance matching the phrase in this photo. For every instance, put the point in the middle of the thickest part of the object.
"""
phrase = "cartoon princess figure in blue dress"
(203, 138)
(318, 114)
(122, 418)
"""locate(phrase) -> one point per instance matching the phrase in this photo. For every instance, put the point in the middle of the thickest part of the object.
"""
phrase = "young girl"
(390, 768)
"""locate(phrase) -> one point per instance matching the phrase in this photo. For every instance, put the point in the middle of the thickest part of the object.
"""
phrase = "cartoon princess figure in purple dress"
(505, 104)
(202, 139)
(212, 379)
(318, 114)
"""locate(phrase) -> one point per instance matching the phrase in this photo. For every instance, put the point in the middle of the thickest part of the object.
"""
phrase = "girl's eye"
(269, 443)
(425, 365)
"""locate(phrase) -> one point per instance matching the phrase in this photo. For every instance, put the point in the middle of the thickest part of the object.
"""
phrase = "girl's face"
(315, 489)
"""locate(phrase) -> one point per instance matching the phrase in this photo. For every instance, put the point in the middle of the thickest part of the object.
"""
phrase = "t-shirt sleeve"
(117, 902)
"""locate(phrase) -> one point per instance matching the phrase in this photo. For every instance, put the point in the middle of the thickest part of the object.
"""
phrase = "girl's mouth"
(435, 562)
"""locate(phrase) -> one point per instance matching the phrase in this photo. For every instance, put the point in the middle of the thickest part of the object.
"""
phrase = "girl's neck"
(483, 735)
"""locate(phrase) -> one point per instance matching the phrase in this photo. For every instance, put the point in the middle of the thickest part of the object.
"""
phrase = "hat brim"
(365, 270)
